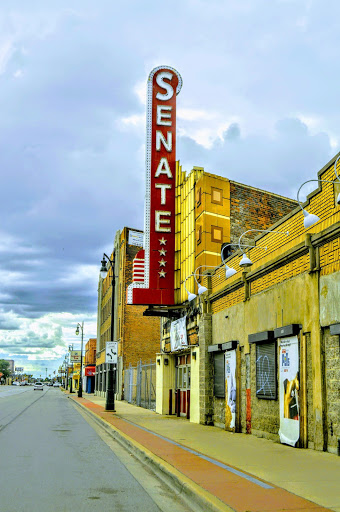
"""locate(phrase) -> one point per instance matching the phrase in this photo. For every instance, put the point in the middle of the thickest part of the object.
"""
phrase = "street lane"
(14, 400)
(52, 460)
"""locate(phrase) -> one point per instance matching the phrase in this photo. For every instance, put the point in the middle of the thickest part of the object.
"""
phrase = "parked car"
(39, 385)
(15, 383)
(56, 385)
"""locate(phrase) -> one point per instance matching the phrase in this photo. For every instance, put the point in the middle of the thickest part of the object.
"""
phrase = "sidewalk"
(229, 471)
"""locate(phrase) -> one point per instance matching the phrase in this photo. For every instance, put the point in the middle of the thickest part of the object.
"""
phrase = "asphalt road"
(54, 460)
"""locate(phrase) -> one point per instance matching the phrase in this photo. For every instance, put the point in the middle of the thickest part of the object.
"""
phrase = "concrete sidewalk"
(230, 471)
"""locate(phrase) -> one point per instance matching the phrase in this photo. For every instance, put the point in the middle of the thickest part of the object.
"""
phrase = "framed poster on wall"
(230, 389)
(289, 387)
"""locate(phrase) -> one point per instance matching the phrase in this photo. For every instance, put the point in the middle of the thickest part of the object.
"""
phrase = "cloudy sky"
(259, 104)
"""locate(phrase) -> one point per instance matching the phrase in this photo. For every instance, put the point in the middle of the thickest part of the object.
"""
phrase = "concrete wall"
(332, 390)
(294, 301)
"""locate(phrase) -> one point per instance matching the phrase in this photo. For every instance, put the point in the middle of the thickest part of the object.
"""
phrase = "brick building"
(137, 335)
(265, 359)
(90, 365)
(210, 211)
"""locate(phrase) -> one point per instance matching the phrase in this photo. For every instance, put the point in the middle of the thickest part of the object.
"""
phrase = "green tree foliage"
(4, 368)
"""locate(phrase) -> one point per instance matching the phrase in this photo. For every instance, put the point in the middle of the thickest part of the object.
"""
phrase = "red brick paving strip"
(235, 491)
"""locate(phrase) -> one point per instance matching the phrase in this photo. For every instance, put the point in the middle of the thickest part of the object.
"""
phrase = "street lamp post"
(111, 374)
(66, 372)
(70, 349)
(80, 390)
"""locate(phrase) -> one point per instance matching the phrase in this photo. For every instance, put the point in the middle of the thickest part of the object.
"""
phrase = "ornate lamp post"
(70, 349)
(80, 390)
(111, 374)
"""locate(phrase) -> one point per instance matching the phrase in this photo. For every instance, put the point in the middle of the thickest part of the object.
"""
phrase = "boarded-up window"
(266, 380)
(219, 377)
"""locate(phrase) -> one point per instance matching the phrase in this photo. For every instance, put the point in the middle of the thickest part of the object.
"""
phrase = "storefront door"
(183, 367)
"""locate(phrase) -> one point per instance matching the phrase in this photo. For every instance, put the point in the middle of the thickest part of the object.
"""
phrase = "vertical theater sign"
(153, 276)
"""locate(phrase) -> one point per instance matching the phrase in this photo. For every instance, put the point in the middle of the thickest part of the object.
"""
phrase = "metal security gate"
(140, 385)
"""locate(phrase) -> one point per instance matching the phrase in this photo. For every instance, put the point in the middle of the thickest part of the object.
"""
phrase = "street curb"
(190, 492)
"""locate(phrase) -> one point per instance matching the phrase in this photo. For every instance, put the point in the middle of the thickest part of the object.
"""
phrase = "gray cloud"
(260, 92)
(272, 163)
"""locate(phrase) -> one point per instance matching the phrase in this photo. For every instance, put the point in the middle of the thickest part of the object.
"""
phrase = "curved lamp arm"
(191, 296)
(235, 245)
(308, 181)
(201, 266)
(104, 269)
(260, 231)
(336, 174)
(311, 218)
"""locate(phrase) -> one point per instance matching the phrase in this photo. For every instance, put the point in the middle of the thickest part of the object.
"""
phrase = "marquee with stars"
(164, 84)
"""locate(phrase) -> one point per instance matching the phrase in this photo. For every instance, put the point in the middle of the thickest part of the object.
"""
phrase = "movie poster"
(289, 391)
(178, 334)
(230, 389)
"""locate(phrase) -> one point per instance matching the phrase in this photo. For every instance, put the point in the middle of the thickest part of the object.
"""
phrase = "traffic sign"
(111, 353)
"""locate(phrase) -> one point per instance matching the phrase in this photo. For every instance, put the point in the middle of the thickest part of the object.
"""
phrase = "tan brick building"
(210, 211)
(138, 336)
(89, 366)
(263, 345)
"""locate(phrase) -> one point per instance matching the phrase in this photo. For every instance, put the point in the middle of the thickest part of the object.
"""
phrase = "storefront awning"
(90, 371)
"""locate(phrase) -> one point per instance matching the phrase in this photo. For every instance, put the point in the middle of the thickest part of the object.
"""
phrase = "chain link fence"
(140, 385)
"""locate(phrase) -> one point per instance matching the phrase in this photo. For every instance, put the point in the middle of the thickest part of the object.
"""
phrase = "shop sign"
(136, 238)
(178, 334)
(75, 356)
(230, 389)
(164, 84)
(289, 391)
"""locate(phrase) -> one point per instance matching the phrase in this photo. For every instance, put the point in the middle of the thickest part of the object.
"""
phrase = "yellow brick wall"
(330, 257)
(185, 230)
(189, 217)
(321, 203)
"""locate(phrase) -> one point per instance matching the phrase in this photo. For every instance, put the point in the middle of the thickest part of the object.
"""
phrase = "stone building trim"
(334, 329)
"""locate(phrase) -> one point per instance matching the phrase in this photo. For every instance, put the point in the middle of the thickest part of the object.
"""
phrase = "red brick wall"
(252, 208)
(140, 335)
(90, 351)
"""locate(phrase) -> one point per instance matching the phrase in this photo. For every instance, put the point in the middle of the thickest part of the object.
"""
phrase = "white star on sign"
(162, 241)
(162, 252)
(162, 263)
(162, 273)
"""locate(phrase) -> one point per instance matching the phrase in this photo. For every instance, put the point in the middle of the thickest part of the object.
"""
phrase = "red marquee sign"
(164, 84)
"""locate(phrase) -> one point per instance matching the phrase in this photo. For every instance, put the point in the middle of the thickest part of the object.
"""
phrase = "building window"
(216, 195)
(219, 375)
(266, 380)
(216, 234)
(199, 235)
(199, 196)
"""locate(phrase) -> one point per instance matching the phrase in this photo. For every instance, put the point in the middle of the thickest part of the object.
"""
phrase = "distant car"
(39, 385)
(15, 383)
(56, 385)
